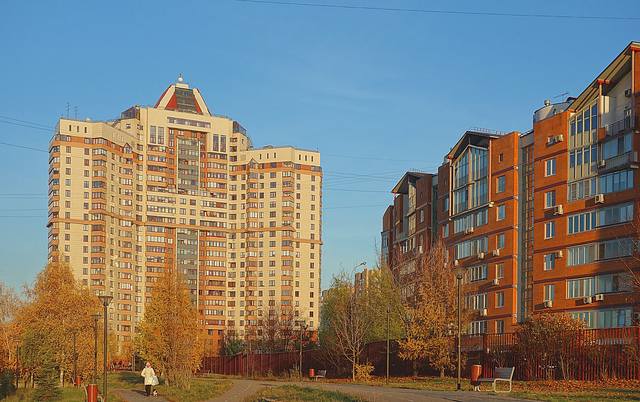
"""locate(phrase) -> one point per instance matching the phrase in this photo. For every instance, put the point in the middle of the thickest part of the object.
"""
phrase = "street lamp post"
(459, 276)
(17, 365)
(95, 317)
(303, 327)
(75, 360)
(388, 336)
(105, 299)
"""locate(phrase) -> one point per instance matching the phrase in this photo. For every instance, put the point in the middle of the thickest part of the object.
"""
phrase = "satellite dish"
(180, 79)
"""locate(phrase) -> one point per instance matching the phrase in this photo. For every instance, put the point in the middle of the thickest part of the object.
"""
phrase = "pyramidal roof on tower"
(181, 98)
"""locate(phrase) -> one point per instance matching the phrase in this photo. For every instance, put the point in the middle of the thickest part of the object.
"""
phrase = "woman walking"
(149, 378)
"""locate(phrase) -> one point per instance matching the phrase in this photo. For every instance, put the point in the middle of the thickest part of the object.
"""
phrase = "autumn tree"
(57, 307)
(170, 335)
(432, 315)
(544, 339)
(9, 303)
(345, 329)
(352, 317)
(275, 331)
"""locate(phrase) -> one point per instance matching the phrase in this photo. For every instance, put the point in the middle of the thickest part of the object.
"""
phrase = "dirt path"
(136, 395)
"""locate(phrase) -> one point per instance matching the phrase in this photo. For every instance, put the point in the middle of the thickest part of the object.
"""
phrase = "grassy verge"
(293, 393)
(552, 391)
(201, 389)
(68, 394)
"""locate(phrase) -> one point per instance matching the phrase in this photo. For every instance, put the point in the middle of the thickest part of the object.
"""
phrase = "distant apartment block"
(542, 221)
(176, 187)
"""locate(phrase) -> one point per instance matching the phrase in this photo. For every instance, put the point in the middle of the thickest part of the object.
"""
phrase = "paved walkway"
(243, 389)
(136, 395)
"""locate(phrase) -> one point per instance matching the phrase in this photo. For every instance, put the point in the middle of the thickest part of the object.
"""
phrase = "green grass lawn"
(293, 393)
(201, 389)
(552, 391)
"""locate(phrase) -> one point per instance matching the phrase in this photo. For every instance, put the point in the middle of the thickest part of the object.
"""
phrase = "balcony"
(629, 122)
(628, 159)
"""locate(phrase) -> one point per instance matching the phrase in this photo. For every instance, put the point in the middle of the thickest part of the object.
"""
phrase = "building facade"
(176, 187)
(408, 229)
(547, 220)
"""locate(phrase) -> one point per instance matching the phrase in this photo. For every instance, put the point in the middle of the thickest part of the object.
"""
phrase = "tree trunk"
(414, 366)
(61, 377)
(442, 372)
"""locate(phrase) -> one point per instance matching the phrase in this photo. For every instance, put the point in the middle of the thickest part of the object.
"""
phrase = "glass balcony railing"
(618, 161)
(629, 122)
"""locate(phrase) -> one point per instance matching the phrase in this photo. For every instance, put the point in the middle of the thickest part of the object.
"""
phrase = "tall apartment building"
(477, 213)
(175, 186)
(546, 221)
(407, 228)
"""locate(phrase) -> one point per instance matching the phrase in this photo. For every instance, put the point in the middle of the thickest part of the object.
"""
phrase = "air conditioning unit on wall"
(548, 303)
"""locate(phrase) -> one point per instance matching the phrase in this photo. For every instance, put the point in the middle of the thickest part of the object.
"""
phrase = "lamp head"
(460, 273)
(105, 299)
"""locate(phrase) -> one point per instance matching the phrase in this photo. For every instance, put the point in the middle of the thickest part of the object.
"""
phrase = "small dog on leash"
(155, 392)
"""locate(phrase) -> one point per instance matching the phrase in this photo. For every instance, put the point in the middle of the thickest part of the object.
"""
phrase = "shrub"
(363, 372)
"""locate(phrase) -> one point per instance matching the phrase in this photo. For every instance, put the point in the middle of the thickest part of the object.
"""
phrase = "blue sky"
(392, 90)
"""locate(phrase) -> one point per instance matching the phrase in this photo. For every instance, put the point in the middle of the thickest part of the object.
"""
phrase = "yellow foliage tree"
(58, 309)
(171, 337)
(433, 314)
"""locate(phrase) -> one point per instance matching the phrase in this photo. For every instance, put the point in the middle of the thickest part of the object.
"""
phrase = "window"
(499, 299)
(617, 146)
(152, 134)
(588, 253)
(477, 273)
(500, 241)
(477, 301)
(613, 318)
(471, 220)
(478, 327)
(549, 230)
(501, 184)
(586, 221)
(471, 247)
(501, 212)
(549, 292)
(549, 261)
(581, 222)
(550, 167)
(499, 271)
(550, 199)
(614, 182)
(499, 326)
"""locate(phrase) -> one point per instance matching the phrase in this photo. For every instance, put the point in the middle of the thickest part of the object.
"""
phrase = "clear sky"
(377, 92)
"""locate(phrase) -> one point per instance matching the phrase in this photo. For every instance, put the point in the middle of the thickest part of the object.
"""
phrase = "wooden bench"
(320, 374)
(504, 374)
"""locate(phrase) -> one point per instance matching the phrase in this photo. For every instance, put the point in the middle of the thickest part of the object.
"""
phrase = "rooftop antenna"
(68, 107)
(562, 95)
(75, 112)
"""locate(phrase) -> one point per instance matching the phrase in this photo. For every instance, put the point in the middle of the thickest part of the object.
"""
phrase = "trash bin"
(78, 381)
(92, 393)
(476, 372)
(312, 373)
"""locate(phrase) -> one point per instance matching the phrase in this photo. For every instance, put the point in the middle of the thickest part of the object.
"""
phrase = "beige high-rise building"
(175, 186)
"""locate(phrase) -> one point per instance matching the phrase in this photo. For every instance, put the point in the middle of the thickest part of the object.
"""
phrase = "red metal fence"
(590, 354)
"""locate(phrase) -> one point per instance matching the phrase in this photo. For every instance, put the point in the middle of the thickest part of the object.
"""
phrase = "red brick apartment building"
(544, 221)
(408, 227)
